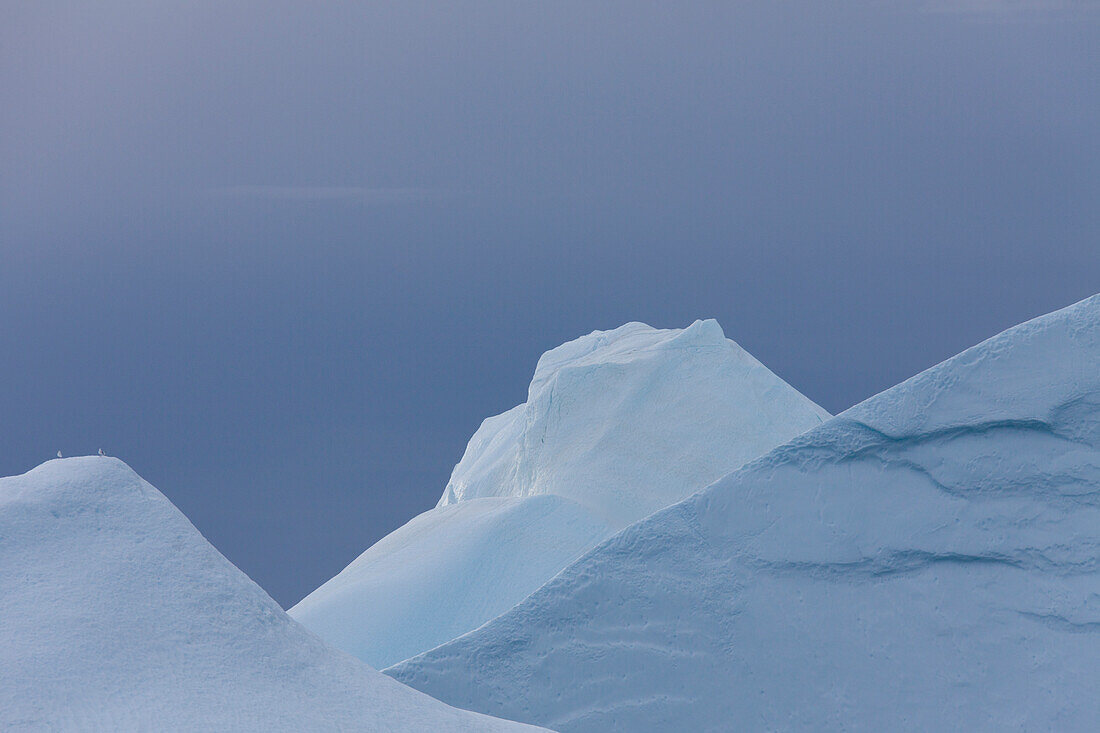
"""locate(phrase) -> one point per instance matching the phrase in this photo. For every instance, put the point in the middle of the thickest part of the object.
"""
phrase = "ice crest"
(617, 424)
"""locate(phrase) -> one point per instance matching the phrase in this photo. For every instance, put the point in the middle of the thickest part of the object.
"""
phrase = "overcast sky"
(284, 258)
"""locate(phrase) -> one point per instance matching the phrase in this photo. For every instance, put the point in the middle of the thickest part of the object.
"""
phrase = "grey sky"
(283, 258)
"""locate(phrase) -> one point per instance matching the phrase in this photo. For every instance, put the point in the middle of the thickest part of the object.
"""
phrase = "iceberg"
(626, 422)
(116, 614)
(927, 560)
(617, 424)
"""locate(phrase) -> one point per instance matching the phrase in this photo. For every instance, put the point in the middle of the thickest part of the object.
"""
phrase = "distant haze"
(283, 258)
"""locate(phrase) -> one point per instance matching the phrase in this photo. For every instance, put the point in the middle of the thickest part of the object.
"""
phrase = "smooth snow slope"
(617, 424)
(927, 560)
(116, 614)
(446, 572)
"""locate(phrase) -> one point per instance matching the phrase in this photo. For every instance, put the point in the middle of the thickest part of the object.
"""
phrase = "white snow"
(617, 424)
(116, 614)
(927, 560)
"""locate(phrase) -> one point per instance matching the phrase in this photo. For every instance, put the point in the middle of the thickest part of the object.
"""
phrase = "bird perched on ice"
(101, 452)
(59, 454)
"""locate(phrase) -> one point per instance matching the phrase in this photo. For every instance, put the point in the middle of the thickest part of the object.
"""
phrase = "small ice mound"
(116, 614)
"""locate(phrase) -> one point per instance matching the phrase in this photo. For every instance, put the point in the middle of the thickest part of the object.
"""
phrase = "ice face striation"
(927, 560)
(617, 424)
(116, 614)
(628, 421)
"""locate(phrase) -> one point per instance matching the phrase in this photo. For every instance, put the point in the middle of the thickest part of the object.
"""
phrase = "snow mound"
(116, 614)
(628, 421)
(446, 572)
(617, 425)
(927, 560)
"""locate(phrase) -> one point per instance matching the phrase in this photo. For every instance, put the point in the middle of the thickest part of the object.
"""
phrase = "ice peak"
(628, 342)
(617, 424)
(629, 420)
(116, 614)
(77, 480)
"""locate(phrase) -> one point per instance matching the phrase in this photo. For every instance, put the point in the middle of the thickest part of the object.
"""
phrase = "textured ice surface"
(927, 560)
(628, 421)
(116, 614)
(617, 424)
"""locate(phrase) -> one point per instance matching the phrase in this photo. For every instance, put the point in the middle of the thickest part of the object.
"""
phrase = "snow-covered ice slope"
(927, 560)
(628, 421)
(446, 572)
(116, 614)
(617, 424)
